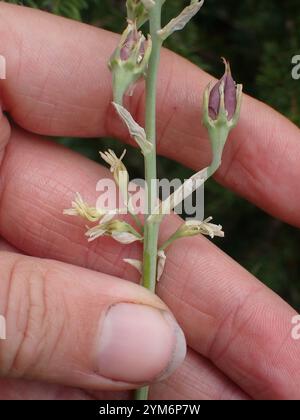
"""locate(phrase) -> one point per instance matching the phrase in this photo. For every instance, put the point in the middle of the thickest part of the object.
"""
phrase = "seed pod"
(130, 60)
(221, 112)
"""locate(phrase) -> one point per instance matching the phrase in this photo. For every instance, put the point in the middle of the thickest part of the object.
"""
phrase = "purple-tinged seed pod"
(230, 96)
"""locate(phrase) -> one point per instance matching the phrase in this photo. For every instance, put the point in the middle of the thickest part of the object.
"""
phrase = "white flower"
(114, 162)
(205, 228)
(95, 232)
(137, 264)
(119, 230)
(161, 262)
(118, 169)
(81, 208)
(124, 238)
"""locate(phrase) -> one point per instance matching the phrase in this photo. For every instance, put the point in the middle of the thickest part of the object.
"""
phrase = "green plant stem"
(218, 136)
(169, 242)
(151, 229)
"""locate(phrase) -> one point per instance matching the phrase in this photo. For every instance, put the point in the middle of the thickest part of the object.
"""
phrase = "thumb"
(76, 327)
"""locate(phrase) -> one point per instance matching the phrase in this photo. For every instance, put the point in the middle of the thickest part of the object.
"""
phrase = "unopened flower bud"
(129, 61)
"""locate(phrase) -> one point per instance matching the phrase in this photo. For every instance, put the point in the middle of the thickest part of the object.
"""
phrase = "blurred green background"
(259, 37)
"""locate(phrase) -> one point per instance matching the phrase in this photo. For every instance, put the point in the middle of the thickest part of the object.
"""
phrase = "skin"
(238, 331)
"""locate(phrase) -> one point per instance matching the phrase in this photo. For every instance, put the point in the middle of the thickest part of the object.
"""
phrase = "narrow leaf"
(135, 130)
(178, 23)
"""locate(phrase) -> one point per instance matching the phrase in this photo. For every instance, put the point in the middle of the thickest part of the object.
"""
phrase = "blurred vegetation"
(260, 38)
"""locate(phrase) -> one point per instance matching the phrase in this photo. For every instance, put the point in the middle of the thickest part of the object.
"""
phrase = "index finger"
(58, 84)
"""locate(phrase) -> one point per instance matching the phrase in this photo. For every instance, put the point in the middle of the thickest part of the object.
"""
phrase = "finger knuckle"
(28, 317)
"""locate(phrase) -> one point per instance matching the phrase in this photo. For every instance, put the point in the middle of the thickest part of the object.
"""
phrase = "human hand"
(55, 287)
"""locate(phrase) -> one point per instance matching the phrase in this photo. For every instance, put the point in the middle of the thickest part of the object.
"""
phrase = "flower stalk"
(151, 229)
(136, 58)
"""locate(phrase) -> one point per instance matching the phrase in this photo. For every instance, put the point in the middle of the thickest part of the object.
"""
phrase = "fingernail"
(139, 344)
